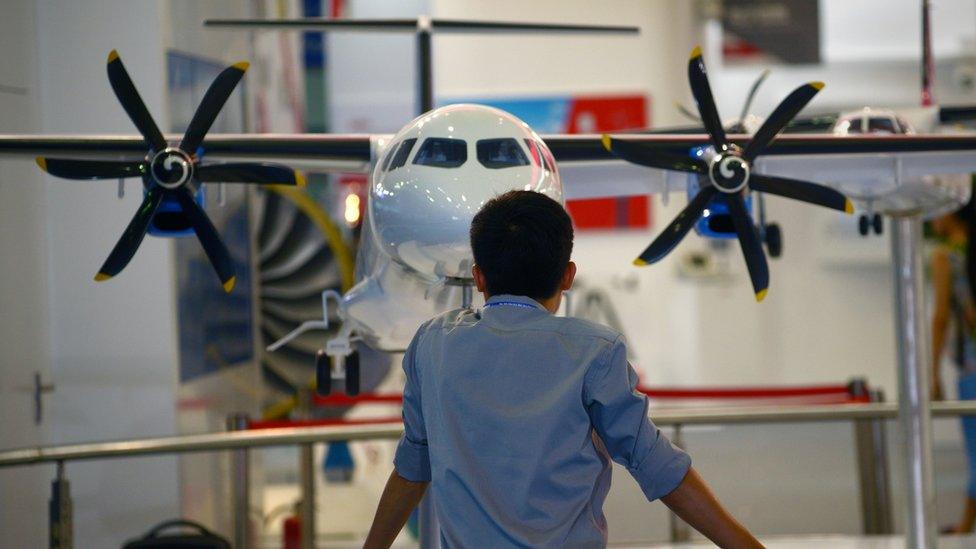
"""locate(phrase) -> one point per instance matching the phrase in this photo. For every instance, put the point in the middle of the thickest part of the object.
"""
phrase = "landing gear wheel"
(863, 225)
(774, 240)
(877, 224)
(323, 373)
(352, 374)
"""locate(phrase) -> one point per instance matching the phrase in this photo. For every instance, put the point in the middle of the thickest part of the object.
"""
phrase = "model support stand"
(913, 381)
(240, 468)
(60, 528)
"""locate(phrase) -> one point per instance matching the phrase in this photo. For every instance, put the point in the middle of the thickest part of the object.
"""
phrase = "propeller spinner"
(727, 174)
(171, 172)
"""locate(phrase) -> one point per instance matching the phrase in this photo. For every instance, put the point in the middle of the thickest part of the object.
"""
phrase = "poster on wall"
(586, 114)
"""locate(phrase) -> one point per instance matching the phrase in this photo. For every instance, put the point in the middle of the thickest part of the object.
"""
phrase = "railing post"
(307, 505)
(680, 532)
(60, 524)
(872, 466)
(240, 485)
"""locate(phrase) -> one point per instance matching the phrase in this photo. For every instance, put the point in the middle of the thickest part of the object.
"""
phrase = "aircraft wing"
(325, 152)
(881, 173)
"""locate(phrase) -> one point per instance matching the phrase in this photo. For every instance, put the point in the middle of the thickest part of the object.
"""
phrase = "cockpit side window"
(881, 125)
(501, 153)
(442, 152)
(400, 158)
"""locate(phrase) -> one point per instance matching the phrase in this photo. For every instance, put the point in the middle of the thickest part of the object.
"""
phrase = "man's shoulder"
(448, 319)
(578, 327)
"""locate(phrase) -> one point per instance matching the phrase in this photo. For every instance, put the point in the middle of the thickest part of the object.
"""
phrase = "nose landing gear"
(868, 222)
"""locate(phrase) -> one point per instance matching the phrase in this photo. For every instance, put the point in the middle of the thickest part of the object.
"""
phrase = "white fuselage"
(428, 183)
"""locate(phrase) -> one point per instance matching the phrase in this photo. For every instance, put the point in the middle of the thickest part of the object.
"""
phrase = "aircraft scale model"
(429, 179)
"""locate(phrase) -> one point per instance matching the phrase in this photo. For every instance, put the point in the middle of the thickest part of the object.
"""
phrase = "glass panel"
(442, 152)
(501, 153)
(400, 158)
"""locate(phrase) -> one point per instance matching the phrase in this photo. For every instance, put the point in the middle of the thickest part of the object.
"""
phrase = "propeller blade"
(249, 172)
(132, 102)
(706, 102)
(210, 106)
(780, 117)
(752, 95)
(91, 169)
(209, 239)
(751, 247)
(813, 193)
(677, 229)
(637, 154)
(126, 247)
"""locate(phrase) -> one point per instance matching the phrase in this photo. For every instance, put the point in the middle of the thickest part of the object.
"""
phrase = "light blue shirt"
(513, 414)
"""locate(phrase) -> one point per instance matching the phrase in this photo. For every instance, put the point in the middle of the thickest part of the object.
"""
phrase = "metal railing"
(242, 441)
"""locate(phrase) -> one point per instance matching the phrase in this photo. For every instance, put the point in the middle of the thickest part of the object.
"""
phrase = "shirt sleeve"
(619, 415)
(412, 460)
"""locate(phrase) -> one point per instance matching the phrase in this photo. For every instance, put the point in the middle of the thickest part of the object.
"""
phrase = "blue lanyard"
(511, 303)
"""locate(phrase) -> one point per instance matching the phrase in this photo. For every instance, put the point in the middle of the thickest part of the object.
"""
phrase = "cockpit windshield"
(501, 153)
(442, 152)
(400, 157)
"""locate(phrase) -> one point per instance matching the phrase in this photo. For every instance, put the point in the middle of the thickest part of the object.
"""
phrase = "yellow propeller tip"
(242, 65)
(817, 85)
(696, 52)
(102, 277)
(300, 180)
(229, 285)
(761, 295)
(640, 262)
(848, 207)
(606, 142)
(112, 56)
(41, 162)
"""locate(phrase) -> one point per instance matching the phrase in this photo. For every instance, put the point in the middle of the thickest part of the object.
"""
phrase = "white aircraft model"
(428, 180)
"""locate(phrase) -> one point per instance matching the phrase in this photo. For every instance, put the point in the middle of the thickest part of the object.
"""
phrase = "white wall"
(23, 285)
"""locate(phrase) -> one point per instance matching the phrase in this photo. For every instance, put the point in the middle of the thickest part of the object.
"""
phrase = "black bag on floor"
(201, 538)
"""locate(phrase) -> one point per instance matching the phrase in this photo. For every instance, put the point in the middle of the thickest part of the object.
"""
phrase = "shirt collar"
(521, 299)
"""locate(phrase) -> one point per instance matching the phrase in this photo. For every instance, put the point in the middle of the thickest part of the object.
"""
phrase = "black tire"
(352, 374)
(774, 240)
(877, 224)
(863, 225)
(323, 373)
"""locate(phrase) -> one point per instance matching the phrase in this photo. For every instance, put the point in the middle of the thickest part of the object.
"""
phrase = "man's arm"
(399, 499)
(695, 503)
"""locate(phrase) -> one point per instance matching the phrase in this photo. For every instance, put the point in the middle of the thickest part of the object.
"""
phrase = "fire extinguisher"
(291, 530)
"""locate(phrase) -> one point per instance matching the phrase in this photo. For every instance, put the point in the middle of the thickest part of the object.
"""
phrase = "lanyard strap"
(510, 303)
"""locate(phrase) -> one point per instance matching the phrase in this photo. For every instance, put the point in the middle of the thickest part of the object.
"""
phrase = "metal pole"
(308, 496)
(60, 524)
(872, 467)
(913, 383)
(425, 71)
(240, 485)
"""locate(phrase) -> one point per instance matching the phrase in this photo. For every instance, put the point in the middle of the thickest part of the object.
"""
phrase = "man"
(513, 414)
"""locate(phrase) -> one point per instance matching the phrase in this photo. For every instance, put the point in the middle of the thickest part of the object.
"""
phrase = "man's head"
(522, 241)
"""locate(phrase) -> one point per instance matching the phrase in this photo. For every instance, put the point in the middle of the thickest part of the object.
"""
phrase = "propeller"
(171, 173)
(725, 173)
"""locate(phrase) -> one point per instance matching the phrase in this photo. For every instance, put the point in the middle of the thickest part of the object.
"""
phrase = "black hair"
(967, 215)
(522, 241)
